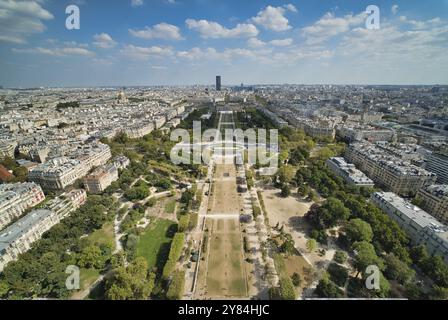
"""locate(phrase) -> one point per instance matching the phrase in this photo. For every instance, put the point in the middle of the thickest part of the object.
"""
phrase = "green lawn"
(154, 243)
(105, 235)
(88, 277)
(170, 206)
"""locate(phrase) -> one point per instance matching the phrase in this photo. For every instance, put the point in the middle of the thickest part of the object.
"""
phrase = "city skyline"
(160, 42)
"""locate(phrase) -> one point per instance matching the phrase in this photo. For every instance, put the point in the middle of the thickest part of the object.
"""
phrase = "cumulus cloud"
(159, 31)
(273, 18)
(145, 53)
(330, 26)
(103, 41)
(291, 8)
(281, 42)
(255, 43)
(20, 19)
(211, 29)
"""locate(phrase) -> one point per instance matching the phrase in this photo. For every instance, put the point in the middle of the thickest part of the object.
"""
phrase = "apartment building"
(18, 238)
(388, 171)
(16, 198)
(101, 178)
(121, 162)
(58, 173)
(349, 173)
(139, 130)
(7, 148)
(438, 163)
(321, 128)
(434, 199)
(92, 154)
(365, 132)
(421, 227)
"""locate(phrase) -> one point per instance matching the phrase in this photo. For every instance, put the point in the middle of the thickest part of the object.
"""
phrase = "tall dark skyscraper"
(218, 83)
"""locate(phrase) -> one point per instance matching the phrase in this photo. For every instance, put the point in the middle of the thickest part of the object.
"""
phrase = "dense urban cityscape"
(102, 196)
(344, 151)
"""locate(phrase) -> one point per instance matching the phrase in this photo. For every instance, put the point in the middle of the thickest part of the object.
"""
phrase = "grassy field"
(170, 206)
(154, 243)
(225, 272)
(288, 265)
(88, 276)
(105, 235)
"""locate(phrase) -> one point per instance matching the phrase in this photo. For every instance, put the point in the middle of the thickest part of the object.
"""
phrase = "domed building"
(121, 97)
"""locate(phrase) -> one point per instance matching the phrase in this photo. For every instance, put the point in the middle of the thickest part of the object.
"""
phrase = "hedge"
(177, 246)
(184, 222)
(177, 286)
(194, 219)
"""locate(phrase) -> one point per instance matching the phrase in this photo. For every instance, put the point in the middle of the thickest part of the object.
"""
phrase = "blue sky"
(179, 42)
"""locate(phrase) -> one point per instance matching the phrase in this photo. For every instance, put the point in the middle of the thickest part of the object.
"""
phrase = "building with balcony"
(388, 171)
(18, 237)
(58, 173)
(101, 178)
(16, 198)
(349, 173)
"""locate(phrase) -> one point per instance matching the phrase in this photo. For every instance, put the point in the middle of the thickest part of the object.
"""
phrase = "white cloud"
(393, 47)
(145, 53)
(137, 3)
(281, 42)
(255, 43)
(159, 31)
(57, 52)
(330, 26)
(272, 18)
(394, 9)
(103, 41)
(291, 8)
(211, 29)
(20, 19)
(416, 24)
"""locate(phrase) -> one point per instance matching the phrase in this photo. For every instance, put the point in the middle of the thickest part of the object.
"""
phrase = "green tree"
(340, 257)
(286, 191)
(177, 286)
(285, 174)
(90, 257)
(296, 279)
(184, 222)
(287, 290)
(328, 289)
(131, 283)
(365, 256)
(311, 245)
(398, 270)
(4, 289)
(439, 293)
(330, 214)
(358, 230)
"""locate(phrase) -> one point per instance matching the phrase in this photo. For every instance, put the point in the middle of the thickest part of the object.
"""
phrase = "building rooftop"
(438, 190)
(16, 230)
(418, 215)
